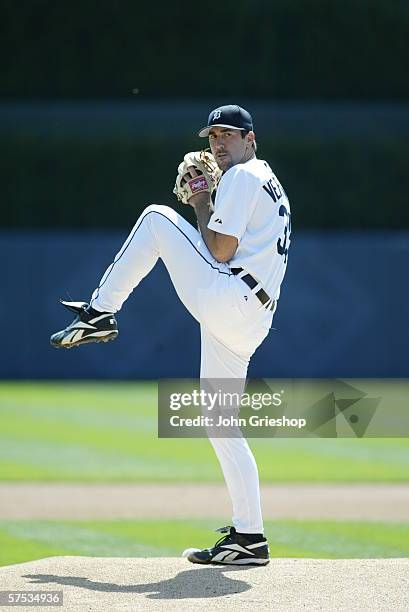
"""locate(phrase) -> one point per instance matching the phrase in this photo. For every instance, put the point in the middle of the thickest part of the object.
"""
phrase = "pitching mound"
(93, 584)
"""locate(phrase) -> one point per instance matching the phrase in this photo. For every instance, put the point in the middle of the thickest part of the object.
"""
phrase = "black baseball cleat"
(233, 549)
(85, 328)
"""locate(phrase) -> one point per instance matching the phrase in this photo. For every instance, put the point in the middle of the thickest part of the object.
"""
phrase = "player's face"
(229, 147)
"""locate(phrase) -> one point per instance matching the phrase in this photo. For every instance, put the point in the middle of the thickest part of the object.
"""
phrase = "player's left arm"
(221, 246)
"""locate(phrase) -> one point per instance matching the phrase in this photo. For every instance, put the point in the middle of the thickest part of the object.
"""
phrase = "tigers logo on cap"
(228, 116)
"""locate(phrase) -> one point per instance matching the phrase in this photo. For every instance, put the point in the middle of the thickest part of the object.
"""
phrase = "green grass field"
(27, 540)
(108, 432)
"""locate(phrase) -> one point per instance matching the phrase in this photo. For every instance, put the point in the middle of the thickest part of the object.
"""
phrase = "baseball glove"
(209, 175)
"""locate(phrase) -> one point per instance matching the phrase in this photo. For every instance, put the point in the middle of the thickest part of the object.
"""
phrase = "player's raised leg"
(160, 232)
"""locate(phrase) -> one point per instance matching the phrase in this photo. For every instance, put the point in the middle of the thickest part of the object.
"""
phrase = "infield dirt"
(360, 501)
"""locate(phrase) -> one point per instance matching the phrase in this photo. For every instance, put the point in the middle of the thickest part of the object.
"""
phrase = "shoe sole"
(256, 562)
(88, 340)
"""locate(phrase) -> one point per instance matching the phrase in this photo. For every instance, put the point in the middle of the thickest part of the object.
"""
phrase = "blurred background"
(99, 101)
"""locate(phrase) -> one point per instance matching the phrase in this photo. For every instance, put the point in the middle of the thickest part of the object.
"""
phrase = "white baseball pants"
(233, 324)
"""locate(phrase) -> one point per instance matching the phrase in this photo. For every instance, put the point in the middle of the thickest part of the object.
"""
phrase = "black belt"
(251, 282)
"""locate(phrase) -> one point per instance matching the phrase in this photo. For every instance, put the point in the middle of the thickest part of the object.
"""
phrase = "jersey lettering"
(282, 246)
(272, 187)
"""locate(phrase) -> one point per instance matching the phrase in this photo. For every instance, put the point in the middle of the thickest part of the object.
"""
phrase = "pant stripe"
(128, 242)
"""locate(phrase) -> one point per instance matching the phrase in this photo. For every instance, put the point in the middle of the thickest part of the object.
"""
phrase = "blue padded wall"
(343, 311)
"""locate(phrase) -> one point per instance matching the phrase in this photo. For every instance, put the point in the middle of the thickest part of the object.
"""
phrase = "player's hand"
(198, 174)
(197, 199)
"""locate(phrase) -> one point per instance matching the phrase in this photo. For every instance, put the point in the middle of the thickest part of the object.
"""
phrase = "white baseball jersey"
(251, 205)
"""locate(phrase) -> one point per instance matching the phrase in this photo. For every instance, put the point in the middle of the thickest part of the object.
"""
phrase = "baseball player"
(228, 275)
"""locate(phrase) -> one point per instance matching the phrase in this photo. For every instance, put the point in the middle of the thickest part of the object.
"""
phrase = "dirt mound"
(94, 584)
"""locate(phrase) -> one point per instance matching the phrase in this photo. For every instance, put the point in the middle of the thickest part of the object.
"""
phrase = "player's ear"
(251, 138)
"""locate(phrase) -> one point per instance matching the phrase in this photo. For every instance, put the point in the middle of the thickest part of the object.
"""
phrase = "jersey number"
(282, 245)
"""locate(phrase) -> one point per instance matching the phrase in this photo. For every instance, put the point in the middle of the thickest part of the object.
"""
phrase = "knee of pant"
(158, 216)
(159, 208)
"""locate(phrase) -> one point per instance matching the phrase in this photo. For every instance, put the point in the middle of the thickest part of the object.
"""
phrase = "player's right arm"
(221, 246)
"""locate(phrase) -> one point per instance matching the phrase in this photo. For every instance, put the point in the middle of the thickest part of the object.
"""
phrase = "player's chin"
(224, 162)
